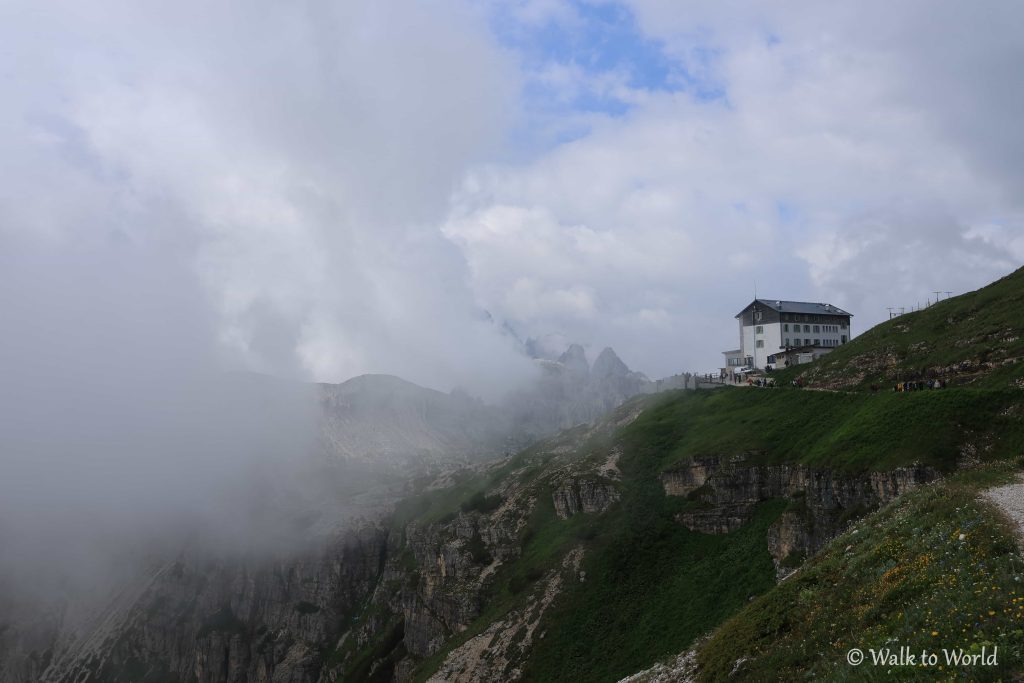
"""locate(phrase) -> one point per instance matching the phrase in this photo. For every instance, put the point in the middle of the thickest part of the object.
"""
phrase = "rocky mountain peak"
(608, 364)
(575, 360)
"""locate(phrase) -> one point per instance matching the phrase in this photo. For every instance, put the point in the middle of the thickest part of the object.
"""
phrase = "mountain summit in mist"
(388, 420)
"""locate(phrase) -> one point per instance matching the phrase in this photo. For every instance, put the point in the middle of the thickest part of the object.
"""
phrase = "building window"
(842, 339)
(817, 328)
(785, 328)
(787, 341)
(807, 328)
(760, 343)
(807, 342)
(759, 329)
(817, 342)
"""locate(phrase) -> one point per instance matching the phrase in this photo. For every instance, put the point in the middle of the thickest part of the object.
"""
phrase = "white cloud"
(855, 157)
(306, 156)
(303, 153)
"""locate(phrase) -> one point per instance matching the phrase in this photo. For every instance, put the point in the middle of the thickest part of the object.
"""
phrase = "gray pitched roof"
(801, 307)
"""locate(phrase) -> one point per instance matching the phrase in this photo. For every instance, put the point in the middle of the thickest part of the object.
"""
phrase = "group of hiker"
(919, 386)
(800, 382)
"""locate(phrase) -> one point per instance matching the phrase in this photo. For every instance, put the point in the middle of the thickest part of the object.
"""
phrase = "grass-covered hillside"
(835, 430)
(976, 338)
(652, 586)
(936, 569)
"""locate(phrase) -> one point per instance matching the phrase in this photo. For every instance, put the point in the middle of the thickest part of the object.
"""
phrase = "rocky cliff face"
(586, 495)
(308, 616)
(377, 599)
(822, 501)
(220, 621)
(440, 575)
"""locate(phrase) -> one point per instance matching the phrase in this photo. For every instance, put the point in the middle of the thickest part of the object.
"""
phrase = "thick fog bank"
(121, 431)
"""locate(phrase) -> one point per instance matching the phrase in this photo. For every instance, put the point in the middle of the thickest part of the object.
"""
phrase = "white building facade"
(771, 330)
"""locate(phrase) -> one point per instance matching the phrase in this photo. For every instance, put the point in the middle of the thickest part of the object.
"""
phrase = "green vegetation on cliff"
(651, 584)
(937, 568)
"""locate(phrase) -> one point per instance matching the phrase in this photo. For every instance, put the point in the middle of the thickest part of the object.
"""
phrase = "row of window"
(798, 317)
(759, 329)
(807, 328)
(796, 341)
(807, 342)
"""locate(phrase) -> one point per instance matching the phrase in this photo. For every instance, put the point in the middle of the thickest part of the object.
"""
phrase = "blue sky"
(609, 58)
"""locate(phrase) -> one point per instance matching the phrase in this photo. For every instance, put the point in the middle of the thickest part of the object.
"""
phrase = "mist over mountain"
(385, 420)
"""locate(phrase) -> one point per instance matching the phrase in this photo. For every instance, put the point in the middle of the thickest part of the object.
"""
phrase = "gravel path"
(1010, 499)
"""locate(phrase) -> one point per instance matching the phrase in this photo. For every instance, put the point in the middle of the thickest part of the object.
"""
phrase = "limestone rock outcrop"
(586, 495)
(822, 501)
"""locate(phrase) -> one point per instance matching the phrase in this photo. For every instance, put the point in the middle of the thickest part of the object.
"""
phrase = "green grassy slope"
(837, 430)
(651, 587)
(935, 569)
(975, 338)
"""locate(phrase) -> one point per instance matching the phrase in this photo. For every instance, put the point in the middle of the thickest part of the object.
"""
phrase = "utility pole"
(936, 296)
(947, 294)
(889, 308)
